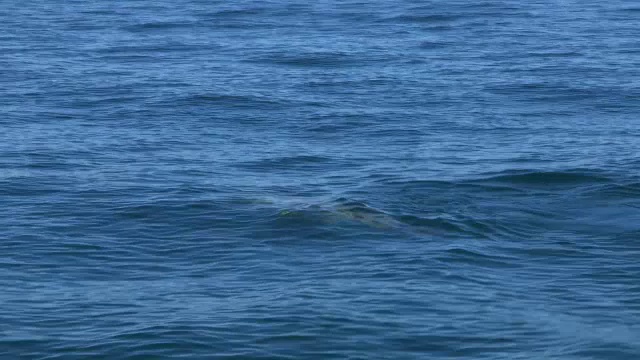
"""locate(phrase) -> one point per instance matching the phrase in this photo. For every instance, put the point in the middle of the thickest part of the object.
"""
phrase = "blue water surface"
(289, 179)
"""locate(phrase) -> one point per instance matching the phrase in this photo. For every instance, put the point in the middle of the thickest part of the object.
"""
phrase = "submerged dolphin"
(335, 211)
(367, 215)
(342, 211)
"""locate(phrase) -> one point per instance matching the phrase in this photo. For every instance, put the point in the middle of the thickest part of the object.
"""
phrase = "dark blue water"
(320, 180)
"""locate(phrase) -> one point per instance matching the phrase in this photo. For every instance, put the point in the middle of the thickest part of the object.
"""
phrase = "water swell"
(299, 162)
(311, 59)
(158, 26)
(233, 101)
(428, 19)
(545, 179)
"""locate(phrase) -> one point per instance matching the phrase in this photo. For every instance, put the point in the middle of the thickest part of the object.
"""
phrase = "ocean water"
(320, 180)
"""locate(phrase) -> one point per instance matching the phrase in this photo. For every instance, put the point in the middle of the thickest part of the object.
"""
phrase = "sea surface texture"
(385, 179)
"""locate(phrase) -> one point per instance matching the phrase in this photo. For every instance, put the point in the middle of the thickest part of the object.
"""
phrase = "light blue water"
(320, 180)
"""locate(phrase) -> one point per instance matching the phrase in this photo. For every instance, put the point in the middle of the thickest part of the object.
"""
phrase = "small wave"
(630, 10)
(98, 12)
(546, 178)
(428, 19)
(238, 12)
(546, 91)
(233, 101)
(144, 51)
(618, 191)
(477, 258)
(459, 226)
(433, 45)
(436, 224)
(555, 54)
(334, 128)
(286, 162)
(421, 186)
(320, 59)
(157, 25)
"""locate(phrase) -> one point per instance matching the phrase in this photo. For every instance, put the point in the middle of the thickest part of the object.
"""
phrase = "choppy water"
(320, 180)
